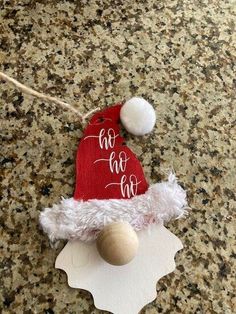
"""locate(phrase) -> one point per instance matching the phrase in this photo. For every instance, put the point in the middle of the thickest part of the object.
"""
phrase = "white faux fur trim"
(83, 220)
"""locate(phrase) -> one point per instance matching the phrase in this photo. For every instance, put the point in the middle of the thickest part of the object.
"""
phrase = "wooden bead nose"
(117, 243)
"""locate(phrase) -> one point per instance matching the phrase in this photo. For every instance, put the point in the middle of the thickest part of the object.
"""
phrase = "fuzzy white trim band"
(72, 219)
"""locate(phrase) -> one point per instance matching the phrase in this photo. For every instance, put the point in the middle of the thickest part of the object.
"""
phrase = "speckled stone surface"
(179, 55)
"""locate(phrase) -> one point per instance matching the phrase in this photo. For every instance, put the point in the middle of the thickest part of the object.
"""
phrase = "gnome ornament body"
(114, 205)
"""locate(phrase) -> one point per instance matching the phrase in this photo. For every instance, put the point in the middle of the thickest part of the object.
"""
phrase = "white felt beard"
(121, 289)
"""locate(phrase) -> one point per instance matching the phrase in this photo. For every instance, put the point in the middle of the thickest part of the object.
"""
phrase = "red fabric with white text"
(105, 167)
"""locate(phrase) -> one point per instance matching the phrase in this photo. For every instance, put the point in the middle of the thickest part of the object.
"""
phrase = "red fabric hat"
(110, 183)
(105, 167)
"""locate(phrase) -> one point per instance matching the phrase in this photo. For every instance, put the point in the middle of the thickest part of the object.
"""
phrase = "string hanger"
(28, 90)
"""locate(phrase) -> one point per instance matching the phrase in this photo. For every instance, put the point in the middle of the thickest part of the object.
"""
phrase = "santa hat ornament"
(117, 245)
(113, 205)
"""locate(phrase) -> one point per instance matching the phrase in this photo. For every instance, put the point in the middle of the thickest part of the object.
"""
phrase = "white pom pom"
(138, 116)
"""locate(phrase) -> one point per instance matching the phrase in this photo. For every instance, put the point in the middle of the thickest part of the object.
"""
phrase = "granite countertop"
(179, 55)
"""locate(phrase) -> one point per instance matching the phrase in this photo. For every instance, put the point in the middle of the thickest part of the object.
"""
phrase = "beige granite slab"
(179, 55)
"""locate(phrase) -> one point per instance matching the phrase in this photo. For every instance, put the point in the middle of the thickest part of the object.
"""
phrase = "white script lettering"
(128, 189)
(105, 141)
(115, 165)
